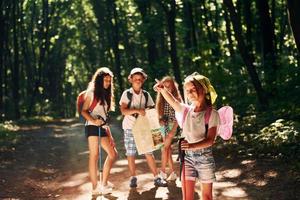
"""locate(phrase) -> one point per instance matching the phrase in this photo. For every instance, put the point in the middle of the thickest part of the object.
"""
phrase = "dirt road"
(50, 162)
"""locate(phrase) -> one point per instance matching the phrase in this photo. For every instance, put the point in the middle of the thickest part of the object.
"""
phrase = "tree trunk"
(2, 31)
(100, 12)
(144, 7)
(190, 40)
(248, 59)
(171, 14)
(248, 22)
(228, 34)
(15, 69)
(112, 14)
(294, 19)
(268, 38)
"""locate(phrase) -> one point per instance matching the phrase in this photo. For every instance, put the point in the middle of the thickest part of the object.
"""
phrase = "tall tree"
(144, 7)
(112, 15)
(247, 57)
(268, 41)
(170, 11)
(15, 69)
(294, 19)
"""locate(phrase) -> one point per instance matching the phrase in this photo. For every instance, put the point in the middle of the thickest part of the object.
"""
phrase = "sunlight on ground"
(271, 174)
(76, 180)
(231, 173)
(245, 162)
(234, 192)
(83, 153)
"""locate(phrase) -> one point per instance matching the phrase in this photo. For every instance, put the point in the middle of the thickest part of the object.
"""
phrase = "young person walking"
(199, 137)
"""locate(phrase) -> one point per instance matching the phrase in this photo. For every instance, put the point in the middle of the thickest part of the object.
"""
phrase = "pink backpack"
(226, 120)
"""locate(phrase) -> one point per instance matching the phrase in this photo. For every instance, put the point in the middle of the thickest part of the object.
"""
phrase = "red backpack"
(80, 101)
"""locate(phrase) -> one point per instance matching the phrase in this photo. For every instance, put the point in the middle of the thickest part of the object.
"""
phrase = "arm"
(168, 96)
(130, 111)
(207, 142)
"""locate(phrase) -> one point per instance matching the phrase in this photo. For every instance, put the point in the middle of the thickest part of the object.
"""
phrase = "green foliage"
(78, 36)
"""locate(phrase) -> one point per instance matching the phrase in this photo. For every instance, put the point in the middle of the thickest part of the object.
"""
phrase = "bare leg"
(110, 159)
(188, 189)
(131, 165)
(93, 159)
(151, 163)
(164, 159)
(170, 160)
(206, 191)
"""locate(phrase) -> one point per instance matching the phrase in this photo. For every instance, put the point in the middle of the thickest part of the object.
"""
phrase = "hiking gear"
(159, 182)
(80, 101)
(162, 175)
(100, 158)
(226, 121)
(172, 177)
(181, 155)
(129, 96)
(133, 182)
(224, 129)
(105, 189)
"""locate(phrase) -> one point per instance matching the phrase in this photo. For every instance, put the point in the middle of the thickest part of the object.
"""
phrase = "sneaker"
(172, 177)
(110, 185)
(159, 182)
(133, 182)
(96, 191)
(105, 189)
(162, 175)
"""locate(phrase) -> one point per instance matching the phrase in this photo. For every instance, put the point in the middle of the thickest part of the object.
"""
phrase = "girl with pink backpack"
(198, 136)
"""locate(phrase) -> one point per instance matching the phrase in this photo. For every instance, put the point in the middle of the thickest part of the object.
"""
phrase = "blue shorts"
(91, 130)
(129, 143)
(200, 164)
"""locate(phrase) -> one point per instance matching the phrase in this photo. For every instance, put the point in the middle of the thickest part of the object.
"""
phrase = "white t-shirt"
(98, 110)
(193, 128)
(137, 101)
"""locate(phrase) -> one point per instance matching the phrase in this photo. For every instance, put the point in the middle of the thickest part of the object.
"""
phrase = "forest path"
(50, 162)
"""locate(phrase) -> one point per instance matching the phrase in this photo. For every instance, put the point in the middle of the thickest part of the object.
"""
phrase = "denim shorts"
(129, 142)
(200, 164)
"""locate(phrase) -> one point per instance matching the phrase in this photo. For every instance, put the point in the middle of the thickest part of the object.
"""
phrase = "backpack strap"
(129, 96)
(93, 105)
(206, 118)
(146, 95)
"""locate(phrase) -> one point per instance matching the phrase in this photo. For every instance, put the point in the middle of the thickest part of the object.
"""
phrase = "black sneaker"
(133, 182)
(159, 182)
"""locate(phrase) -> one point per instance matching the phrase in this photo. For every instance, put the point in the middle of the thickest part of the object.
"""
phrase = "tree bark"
(2, 31)
(268, 38)
(294, 19)
(171, 14)
(112, 14)
(15, 69)
(248, 59)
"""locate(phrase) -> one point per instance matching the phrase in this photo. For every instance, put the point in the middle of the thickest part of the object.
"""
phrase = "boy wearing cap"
(131, 108)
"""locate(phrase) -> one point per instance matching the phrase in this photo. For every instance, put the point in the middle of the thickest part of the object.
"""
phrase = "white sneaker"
(96, 191)
(110, 185)
(162, 175)
(105, 189)
(172, 177)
